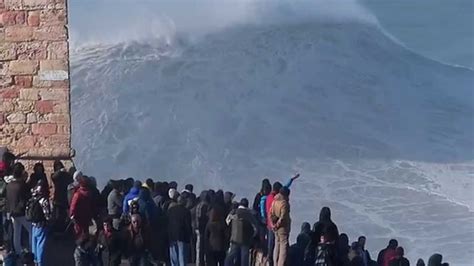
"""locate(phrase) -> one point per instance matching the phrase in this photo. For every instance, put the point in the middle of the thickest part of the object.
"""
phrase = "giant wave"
(380, 134)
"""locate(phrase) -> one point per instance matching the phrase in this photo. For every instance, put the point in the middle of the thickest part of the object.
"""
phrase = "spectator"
(420, 262)
(115, 204)
(82, 210)
(58, 193)
(216, 239)
(179, 232)
(365, 255)
(37, 175)
(343, 249)
(296, 251)
(389, 253)
(199, 224)
(435, 260)
(18, 195)
(399, 260)
(109, 245)
(39, 213)
(244, 229)
(131, 195)
(325, 224)
(281, 224)
(137, 242)
(258, 197)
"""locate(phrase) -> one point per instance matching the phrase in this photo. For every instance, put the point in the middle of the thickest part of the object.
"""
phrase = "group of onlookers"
(154, 223)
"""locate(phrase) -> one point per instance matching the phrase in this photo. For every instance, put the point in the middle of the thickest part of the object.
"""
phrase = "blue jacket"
(132, 194)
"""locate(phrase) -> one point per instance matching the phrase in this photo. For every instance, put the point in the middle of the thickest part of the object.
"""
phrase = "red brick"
(44, 107)
(9, 93)
(20, 67)
(27, 142)
(24, 81)
(9, 18)
(19, 34)
(51, 33)
(33, 18)
(44, 129)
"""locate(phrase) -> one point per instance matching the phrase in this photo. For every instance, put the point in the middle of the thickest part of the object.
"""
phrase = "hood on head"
(305, 228)
(228, 197)
(205, 197)
(325, 214)
(435, 260)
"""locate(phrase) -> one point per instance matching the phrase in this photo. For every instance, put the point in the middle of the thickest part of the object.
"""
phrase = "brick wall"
(34, 78)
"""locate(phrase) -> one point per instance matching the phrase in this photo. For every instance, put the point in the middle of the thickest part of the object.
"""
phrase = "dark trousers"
(215, 258)
(271, 246)
(237, 253)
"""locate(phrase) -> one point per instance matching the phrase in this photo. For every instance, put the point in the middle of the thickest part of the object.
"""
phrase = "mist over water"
(259, 89)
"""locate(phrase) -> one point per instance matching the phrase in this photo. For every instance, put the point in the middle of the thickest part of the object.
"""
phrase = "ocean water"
(380, 133)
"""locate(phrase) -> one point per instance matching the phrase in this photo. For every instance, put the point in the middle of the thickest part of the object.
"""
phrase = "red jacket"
(83, 206)
(389, 255)
(268, 206)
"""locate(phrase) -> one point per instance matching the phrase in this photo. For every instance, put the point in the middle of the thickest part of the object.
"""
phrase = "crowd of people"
(154, 223)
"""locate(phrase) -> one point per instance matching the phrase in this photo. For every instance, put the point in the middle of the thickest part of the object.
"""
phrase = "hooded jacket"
(326, 227)
(60, 182)
(83, 205)
(179, 223)
(280, 215)
(435, 260)
(17, 195)
(131, 195)
(147, 207)
(115, 203)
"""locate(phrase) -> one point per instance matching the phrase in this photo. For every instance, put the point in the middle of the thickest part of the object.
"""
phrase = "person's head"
(92, 182)
(420, 262)
(173, 194)
(18, 171)
(392, 244)
(361, 241)
(173, 184)
(400, 252)
(435, 260)
(137, 184)
(182, 200)
(285, 192)
(189, 188)
(134, 207)
(244, 203)
(266, 186)
(57, 165)
(305, 228)
(277, 186)
(204, 197)
(355, 246)
(107, 224)
(228, 197)
(343, 240)
(136, 221)
(325, 214)
(149, 183)
(219, 197)
(38, 168)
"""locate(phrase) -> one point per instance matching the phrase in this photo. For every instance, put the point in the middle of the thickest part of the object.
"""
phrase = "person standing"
(201, 218)
(18, 195)
(38, 212)
(399, 259)
(179, 231)
(82, 210)
(115, 204)
(281, 224)
(60, 181)
(216, 239)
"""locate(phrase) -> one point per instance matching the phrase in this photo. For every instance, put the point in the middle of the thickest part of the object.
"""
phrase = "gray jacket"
(114, 203)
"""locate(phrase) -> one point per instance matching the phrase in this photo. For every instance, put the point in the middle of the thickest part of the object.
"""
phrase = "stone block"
(44, 129)
(19, 33)
(57, 118)
(37, 82)
(32, 50)
(23, 67)
(52, 17)
(58, 50)
(7, 51)
(35, 4)
(58, 64)
(10, 93)
(54, 94)
(31, 118)
(34, 18)
(51, 33)
(5, 81)
(25, 105)
(16, 118)
(24, 81)
(7, 106)
(61, 107)
(29, 94)
(44, 107)
(27, 141)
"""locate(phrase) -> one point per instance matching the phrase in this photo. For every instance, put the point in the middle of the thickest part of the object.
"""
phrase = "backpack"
(324, 255)
(241, 231)
(34, 211)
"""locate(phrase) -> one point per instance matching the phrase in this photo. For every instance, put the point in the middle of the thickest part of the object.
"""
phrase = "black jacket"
(17, 197)
(179, 224)
(399, 262)
(61, 179)
(111, 248)
(216, 234)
